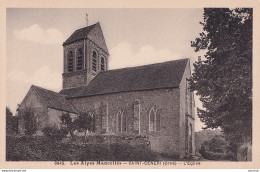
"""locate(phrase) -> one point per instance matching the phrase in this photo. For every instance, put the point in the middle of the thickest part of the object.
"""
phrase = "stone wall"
(54, 117)
(187, 113)
(32, 102)
(97, 36)
(40, 114)
(74, 79)
(166, 101)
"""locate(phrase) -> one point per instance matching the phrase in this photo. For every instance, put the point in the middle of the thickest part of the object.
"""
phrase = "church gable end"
(79, 34)
(96, 35)
(31, 100)
(187, 113)
(38, 97)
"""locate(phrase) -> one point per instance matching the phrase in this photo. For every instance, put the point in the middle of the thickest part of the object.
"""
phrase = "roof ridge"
(146, 77)
(72, 88)
(38, 87)
(77, 33)
(86, 27)
(83, 86)
(153, 64)
(39, 95)
(47, 102)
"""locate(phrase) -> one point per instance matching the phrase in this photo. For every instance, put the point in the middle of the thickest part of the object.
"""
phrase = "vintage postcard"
(129, 85)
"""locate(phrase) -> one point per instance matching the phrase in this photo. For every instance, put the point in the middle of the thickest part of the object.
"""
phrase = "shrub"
(96, 152)
(54, 133)
(116, 152)
(218, 156)
(215, 149)
(36, 149)
(212, 156)
(42, 149)
(126, 152)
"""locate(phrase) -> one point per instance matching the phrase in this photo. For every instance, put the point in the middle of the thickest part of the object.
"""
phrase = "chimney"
(87, 19)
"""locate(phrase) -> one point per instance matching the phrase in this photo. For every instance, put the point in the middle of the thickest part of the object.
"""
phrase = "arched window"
(70, 61)
(80, 59)
(119, 128)
(152, 116)
(94, 61)
(136, 124)
(102, 67)
(121, 121)
(154, 120)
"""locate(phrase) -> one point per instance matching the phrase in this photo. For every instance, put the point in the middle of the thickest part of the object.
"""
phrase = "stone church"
(152, 100)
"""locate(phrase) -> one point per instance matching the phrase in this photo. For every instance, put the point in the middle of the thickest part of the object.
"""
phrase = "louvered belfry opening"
(102, 64)
(70, 61)
(80, 59)
(94, 61)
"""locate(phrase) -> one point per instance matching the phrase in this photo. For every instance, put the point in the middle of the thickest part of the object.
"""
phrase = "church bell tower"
(85, 55)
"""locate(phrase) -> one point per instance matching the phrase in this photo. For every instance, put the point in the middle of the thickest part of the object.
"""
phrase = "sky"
(133, 36)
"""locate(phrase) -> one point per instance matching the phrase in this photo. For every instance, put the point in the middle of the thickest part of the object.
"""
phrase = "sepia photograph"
(132, 86)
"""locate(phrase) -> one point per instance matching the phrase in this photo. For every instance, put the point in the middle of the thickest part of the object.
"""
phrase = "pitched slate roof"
(155, 76)
(54, 100)
(79, 34)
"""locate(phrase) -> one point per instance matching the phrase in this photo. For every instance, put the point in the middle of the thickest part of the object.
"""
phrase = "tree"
(30, 124)
(69, 124)
(9, 114)
(85, 122)
(11, 122)
(223, 79)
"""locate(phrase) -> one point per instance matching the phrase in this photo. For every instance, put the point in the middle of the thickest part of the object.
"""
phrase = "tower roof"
(155, 76)
(79, 34)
